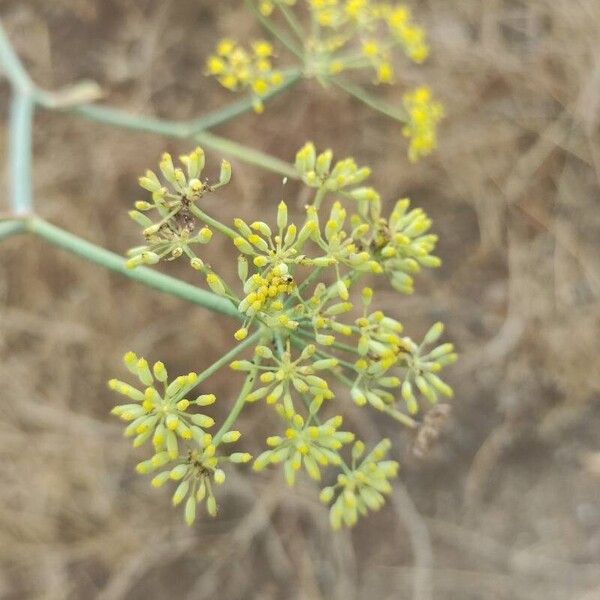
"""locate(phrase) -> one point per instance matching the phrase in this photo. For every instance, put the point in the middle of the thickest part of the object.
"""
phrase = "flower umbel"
(311, 446)
(161, 411)
(164, 417)
(237, 68)
(305, 338)
(363, 488)
(175, 205)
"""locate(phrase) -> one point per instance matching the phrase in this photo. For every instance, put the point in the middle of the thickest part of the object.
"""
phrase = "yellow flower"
(262, 49)
(423, 115)
(411, 37)
(380, 26)
(236, 69)
(225, 47)
(385, 73)
(370, 48)
(266, 7)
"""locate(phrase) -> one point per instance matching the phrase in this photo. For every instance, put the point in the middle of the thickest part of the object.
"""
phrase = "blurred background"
(506, 506)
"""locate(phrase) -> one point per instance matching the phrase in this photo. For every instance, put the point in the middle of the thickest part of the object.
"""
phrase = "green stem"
(121, 118)
(114, 262)
(293, 22)
(10, 228)
(227, 231)
(268, 24)
(320, 195)
(226, 358)
(12, 65)
(310, 279)
(218, 117)
(236, 409)
(396, 113)
(183, 130)
(20, 125)
(248, 155)
(337, 345)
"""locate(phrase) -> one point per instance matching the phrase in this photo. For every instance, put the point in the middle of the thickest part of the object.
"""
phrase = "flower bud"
(231, 436)
(225, 174)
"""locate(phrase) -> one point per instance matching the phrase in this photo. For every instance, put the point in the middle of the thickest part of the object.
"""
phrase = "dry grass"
(509, 500)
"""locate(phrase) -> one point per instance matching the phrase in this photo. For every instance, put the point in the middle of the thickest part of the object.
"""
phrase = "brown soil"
(508, 503)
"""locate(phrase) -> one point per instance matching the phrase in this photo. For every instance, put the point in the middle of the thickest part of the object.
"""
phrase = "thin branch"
(218, 117)
(274, 30)
(228, 357)
(246, 154)
(238, 405)
(394, 112)
(293, 22)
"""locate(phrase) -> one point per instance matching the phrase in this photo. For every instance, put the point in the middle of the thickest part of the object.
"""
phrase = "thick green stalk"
(10, 228)
(11, 64)
(194, 129)
(115, 262)
(20, 126)
(122, 118)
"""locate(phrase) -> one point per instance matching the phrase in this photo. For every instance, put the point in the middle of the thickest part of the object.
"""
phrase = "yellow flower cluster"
(297, 294)
(363, 488)
(380, 58)
(266, 290)
(423, 116)
(410, 36)
(380, 26)
(237, 68)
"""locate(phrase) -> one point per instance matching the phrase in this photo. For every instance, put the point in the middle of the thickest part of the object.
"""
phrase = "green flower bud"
(215, 284)
(211, 506)
(190, 511)
(203, 421)
(240, 457)
(433, 334)
(231, 436)
(219, 476)
(205, 400)
(225, 174)
(196, 264)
